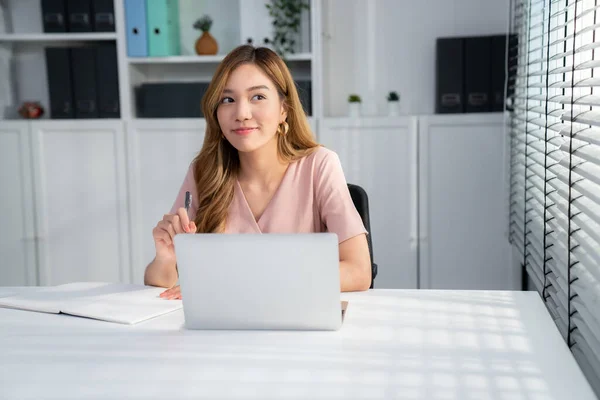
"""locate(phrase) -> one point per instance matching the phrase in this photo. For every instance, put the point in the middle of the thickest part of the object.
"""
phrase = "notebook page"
(128, 306)
(49, 299)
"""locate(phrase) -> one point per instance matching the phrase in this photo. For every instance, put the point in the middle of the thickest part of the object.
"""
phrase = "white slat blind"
(555, 165)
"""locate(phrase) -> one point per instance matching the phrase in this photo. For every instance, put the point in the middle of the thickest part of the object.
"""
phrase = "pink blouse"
(312, 197)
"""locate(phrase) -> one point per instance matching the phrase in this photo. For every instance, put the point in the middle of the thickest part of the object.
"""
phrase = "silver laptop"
(260, 281)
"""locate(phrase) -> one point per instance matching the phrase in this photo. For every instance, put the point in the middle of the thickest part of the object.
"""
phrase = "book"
(111, 302)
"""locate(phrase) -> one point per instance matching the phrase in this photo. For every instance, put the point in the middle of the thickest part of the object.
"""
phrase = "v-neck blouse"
(312, 197)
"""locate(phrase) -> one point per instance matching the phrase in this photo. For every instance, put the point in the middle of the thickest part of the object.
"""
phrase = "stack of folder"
(78, 16)
(470, 73)
(152, 28)
(83, 82)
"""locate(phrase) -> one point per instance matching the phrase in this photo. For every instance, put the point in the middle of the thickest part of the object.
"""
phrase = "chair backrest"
(361, 202)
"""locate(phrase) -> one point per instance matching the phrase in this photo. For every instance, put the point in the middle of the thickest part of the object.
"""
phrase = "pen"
(188, 202)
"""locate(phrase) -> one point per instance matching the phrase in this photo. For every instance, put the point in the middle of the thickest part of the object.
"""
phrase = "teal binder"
(163, 27)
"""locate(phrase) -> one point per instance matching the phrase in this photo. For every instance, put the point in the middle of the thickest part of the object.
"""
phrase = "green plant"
(354, 98)
(204, 23)
(285, 16)
(393, 96)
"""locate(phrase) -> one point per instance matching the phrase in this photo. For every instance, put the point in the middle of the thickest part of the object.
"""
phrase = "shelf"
(299, 57)
(56, 37)
(176, 59)
(202, 59)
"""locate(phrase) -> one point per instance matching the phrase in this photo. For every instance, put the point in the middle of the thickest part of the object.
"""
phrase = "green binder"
(163, 27)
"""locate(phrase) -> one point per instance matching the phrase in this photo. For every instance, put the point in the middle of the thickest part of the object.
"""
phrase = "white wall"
(374, 46)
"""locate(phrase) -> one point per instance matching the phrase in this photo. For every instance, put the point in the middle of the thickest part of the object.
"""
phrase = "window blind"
(554, 125)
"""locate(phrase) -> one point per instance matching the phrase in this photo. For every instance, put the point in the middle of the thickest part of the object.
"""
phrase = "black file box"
(498, 72)
(80, 15)
(104, 16)
(60, 89)
(170, 99)
(449, 76)
(54, 16)
(83, 65)
(477, 74)
(304, 88)
(107, 81)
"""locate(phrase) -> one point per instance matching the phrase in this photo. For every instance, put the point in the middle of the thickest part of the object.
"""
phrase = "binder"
(60, 90)
(498, 71)
(135, 25)
(163, 27)
(107, 81)
(477, 74)
(449, 76)
(54, 16)
(104, 16)
(80, 15)
(304, 88)
(83, 65)
(170, 99)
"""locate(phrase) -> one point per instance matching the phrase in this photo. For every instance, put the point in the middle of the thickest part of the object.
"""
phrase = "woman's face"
(250, 109)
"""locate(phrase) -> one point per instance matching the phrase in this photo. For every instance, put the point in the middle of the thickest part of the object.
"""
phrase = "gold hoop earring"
(283, 128)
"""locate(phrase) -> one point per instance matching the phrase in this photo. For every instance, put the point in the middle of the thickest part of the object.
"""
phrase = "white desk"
(394, 344)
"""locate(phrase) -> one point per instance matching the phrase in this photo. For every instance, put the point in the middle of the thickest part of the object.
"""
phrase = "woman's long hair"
(216, 166)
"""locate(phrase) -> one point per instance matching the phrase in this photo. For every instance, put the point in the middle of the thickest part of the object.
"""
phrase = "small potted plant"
(206, 44)
(393, 104)
(354, 105)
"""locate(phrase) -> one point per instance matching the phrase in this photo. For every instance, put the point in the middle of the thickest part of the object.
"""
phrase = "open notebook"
(112, 302)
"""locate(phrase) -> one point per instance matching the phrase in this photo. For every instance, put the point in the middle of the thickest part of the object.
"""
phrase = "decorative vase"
(393, 108)
(354, 109)
(206, 44)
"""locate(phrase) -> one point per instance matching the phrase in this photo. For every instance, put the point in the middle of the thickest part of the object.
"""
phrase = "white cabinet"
(80, 198)
(159, 154)
(379, 154)
(17, 233)
(462, 194)
(81, 201)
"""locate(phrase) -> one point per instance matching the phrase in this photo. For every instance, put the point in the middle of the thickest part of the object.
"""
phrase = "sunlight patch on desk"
(475, 381)
(493, 342)
(409, 393)
(445, 380)
(519, 343)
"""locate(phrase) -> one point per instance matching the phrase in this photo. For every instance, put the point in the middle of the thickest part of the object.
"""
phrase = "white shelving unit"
(22, 43)
(22, 56)
(235, 21)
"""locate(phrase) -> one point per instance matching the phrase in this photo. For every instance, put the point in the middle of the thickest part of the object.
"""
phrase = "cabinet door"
(379, 154)
(17, 238)
(81, 201)
(160, 153)
(463, 218)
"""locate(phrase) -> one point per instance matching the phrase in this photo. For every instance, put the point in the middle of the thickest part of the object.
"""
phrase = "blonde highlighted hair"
(217, 164)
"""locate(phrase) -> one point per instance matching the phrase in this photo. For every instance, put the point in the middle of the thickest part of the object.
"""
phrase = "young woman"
(261, 171)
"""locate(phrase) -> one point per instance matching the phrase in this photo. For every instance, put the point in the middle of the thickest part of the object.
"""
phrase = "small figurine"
(31, 110)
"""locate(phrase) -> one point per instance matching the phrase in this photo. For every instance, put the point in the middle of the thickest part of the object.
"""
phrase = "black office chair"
(361, 202)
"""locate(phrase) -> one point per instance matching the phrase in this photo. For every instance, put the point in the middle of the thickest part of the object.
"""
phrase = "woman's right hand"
(164, 233)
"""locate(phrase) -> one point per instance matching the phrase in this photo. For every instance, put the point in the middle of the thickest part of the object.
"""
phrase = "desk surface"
(409, 344)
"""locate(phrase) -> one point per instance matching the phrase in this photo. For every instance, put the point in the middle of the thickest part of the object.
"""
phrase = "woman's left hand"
(172, 294)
